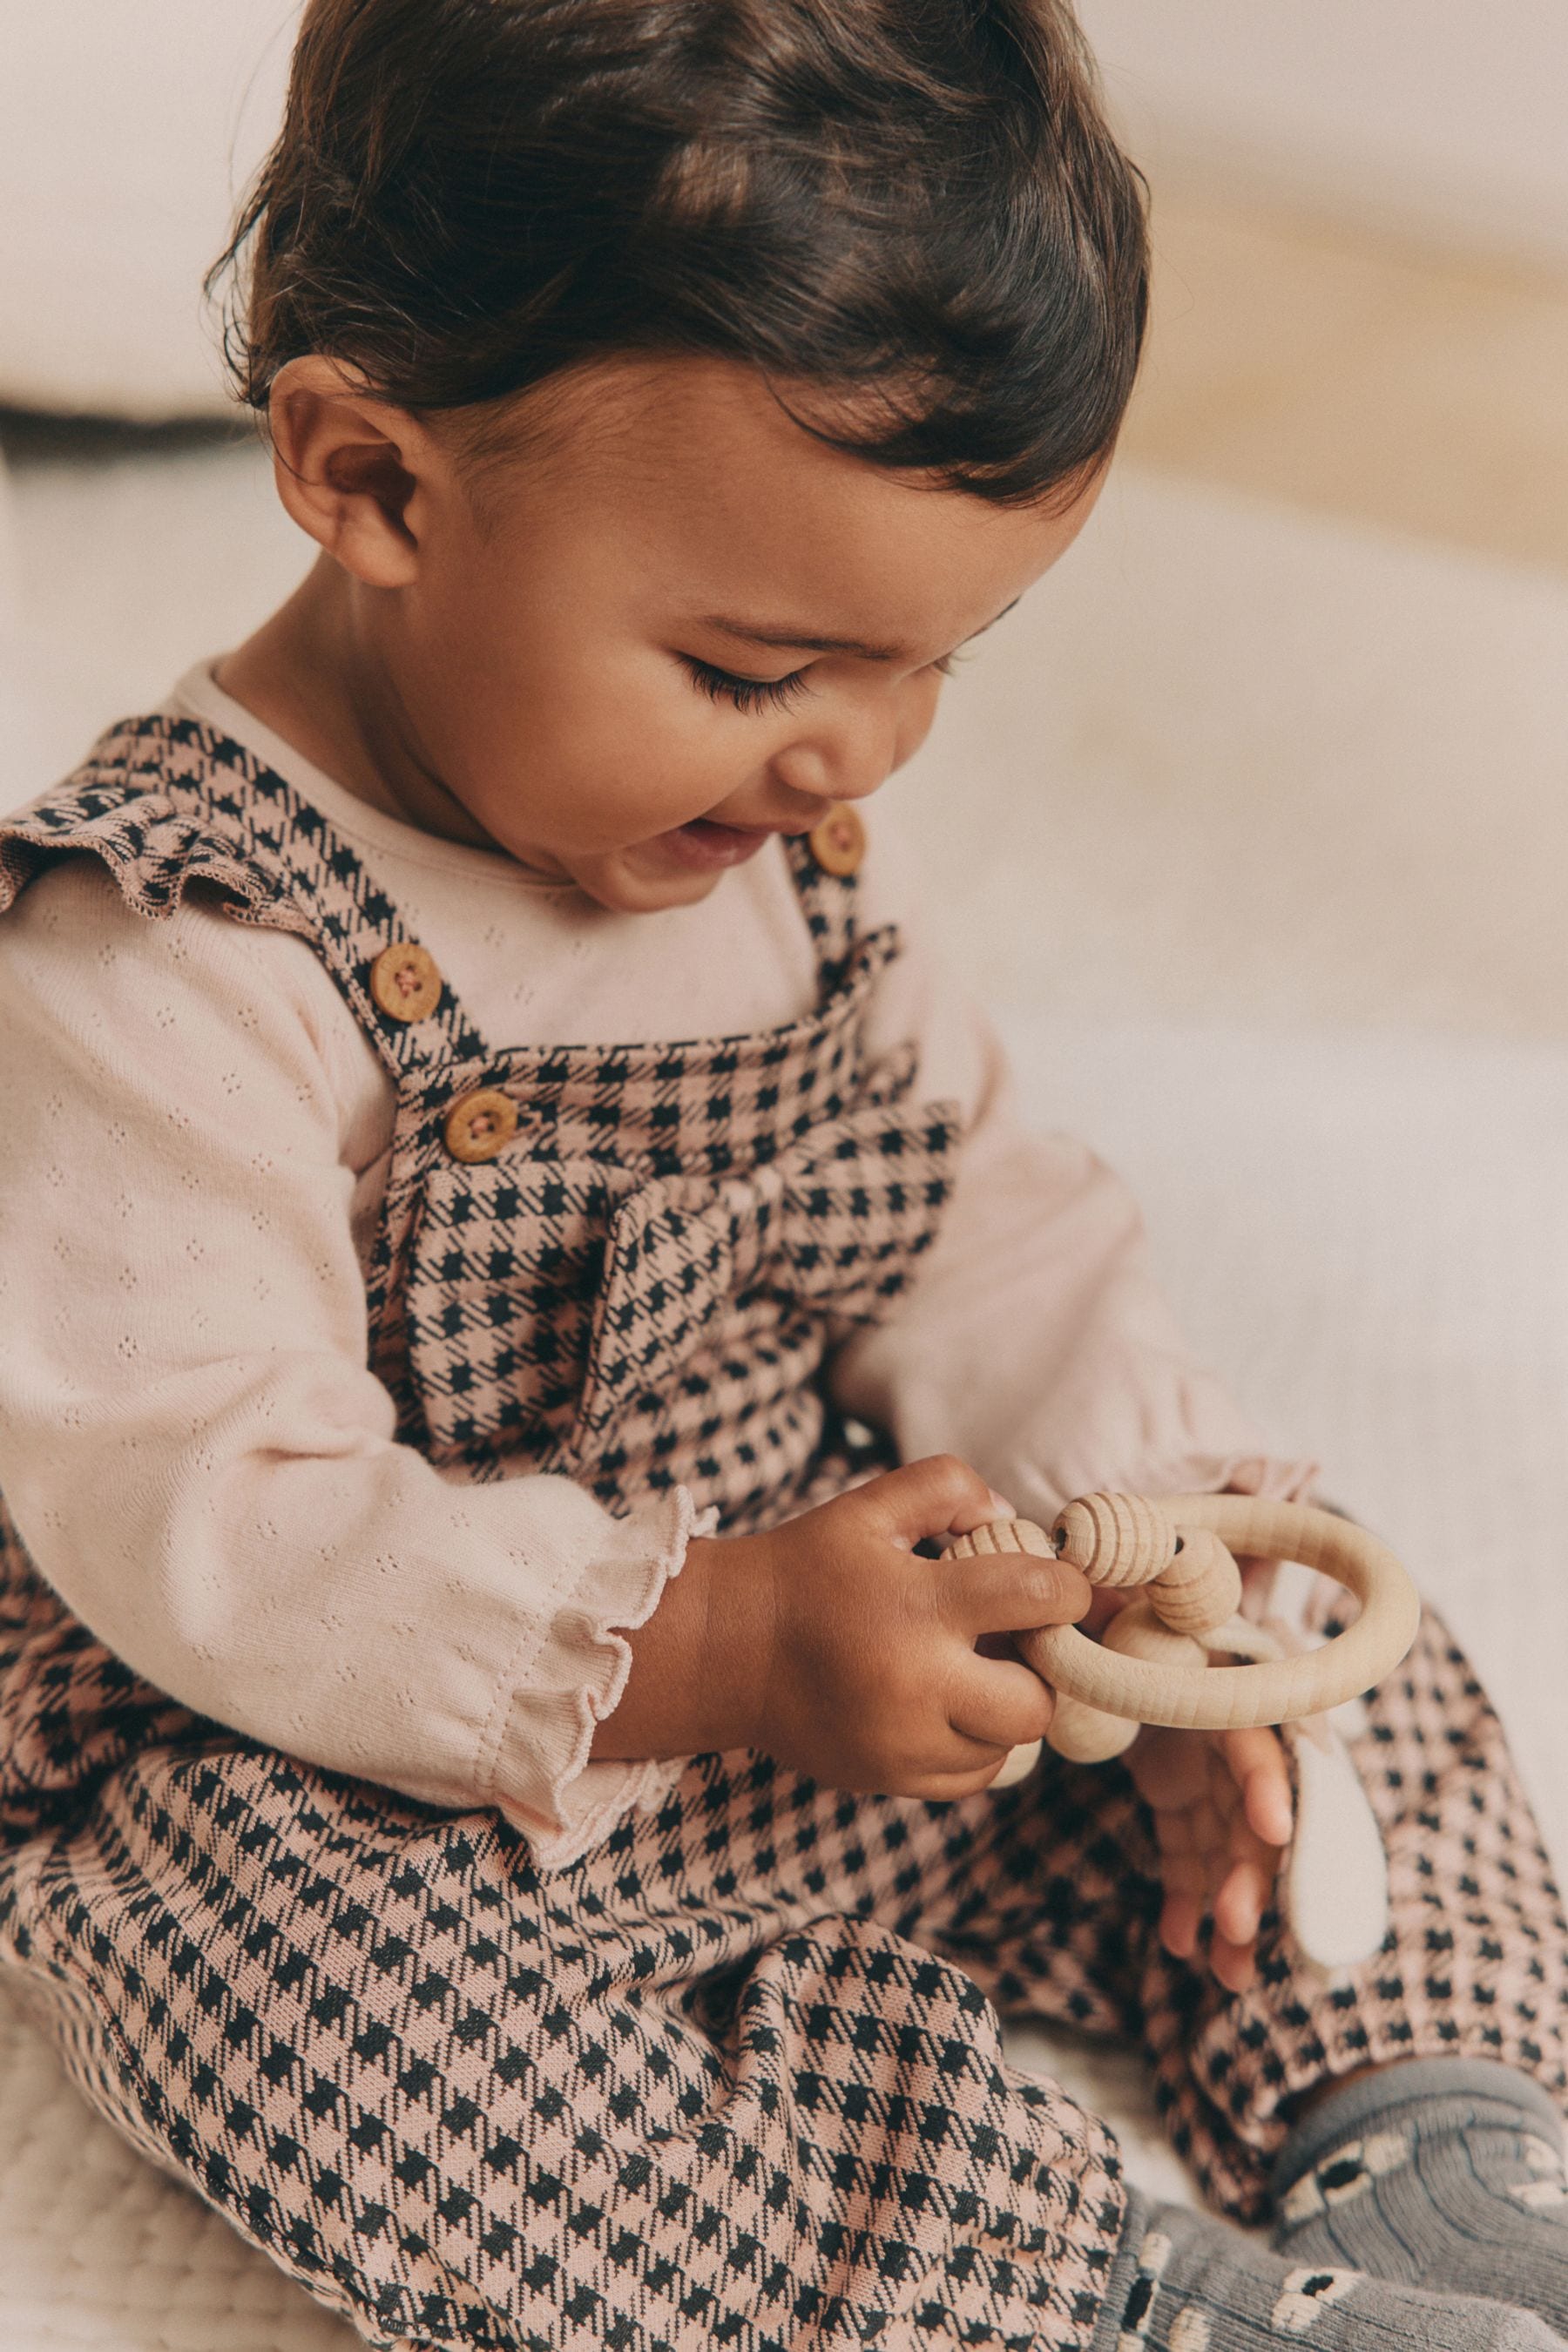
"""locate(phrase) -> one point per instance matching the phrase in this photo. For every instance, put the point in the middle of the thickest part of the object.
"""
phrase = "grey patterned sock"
(1183, 2282)
(1443, 2170)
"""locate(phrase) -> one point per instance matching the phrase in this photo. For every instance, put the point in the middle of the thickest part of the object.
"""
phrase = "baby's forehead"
(716, 495)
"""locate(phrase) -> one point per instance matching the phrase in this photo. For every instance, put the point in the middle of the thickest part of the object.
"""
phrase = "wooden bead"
(1000, 1536)
(1115, 1539)
(1086, 1735)
(1201, 1589)
(1137, 1632)
(1021, 1762)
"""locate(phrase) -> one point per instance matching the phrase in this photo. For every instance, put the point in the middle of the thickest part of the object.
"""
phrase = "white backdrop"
(1429, 115)
(125, 134)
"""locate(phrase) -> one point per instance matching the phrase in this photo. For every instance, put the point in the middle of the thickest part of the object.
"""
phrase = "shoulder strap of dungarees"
(830, 903)
(167, 801)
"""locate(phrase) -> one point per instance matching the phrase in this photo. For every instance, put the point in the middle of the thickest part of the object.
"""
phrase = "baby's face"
(675, 624)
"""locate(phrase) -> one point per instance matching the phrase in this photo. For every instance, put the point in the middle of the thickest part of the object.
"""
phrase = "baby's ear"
(353, 470)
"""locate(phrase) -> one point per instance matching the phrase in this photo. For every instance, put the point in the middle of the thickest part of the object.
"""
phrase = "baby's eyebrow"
(789, 640)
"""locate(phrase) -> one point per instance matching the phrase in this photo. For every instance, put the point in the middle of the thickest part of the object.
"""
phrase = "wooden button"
(479, 1126)
(838, 843)
(406, 982)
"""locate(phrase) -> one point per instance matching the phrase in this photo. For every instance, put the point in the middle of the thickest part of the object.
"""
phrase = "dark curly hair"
(914, 202)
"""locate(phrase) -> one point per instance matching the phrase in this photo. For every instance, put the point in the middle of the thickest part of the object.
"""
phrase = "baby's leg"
(1183, 2281)
(642, 2103)
(1475, 1963)
(687, 2092)
(1057, 1913)
(1447, 2173)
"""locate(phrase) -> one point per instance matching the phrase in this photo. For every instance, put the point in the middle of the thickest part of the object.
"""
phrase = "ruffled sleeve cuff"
(542, 1778)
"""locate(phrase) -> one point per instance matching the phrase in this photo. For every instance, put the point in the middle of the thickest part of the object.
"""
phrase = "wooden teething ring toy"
(1153, 1665)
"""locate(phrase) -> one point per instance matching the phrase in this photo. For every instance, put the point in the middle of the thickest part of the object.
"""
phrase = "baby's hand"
(875, 1676)
(1223, 1816)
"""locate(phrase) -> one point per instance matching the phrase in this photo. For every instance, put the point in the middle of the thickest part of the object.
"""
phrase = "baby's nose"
(843, 761)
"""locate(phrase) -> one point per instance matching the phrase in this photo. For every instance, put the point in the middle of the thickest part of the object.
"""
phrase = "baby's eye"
(745, 693)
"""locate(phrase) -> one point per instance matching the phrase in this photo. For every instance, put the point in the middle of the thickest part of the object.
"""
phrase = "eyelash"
(745, 693)
(752, 694)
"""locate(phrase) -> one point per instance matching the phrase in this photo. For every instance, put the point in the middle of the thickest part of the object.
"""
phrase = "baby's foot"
(1447, 2172)
(1183, 2281)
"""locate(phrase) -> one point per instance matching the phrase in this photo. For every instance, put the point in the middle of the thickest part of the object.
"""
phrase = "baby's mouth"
(704, 841)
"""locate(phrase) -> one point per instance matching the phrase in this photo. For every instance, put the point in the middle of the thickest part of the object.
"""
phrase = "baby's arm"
(190, 1440)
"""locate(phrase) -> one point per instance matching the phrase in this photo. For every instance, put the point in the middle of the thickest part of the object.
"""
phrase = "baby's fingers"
(1239, 1904)
(1257, 1764)
(1179, 1920)
(936, 1496)
(1243, 1893)
(1000, 1701)
(1183, 1874)
(1235, 1965)
(1170, 1769)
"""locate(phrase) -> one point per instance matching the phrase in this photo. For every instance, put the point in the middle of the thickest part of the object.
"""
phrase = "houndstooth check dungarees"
(735, 2078)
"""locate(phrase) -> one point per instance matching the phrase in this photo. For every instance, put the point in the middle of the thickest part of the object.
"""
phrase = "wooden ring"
(1283, 1690)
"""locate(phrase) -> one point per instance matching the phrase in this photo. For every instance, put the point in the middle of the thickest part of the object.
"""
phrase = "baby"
(515, 1259)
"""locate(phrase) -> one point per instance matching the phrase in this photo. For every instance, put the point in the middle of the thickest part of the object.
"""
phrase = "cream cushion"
(125, 134)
